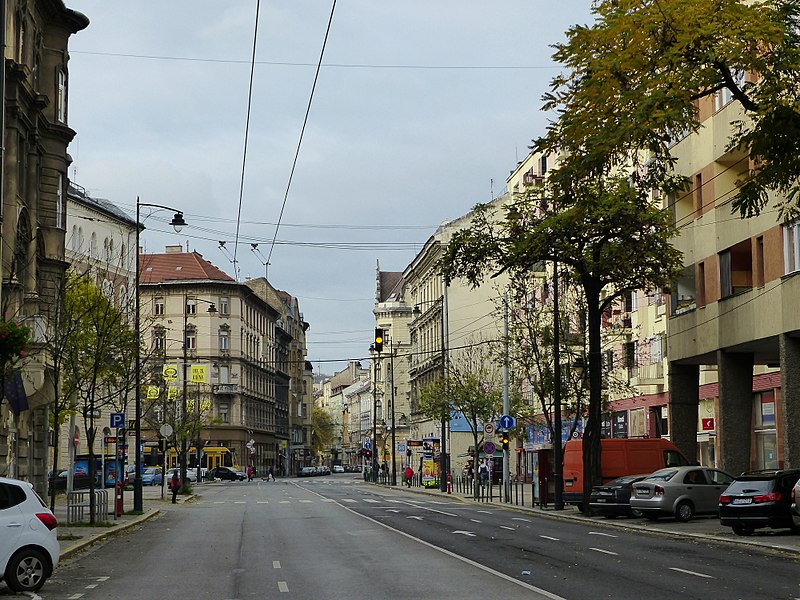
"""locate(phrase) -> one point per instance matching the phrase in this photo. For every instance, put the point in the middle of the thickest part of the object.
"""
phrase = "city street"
(324, 537)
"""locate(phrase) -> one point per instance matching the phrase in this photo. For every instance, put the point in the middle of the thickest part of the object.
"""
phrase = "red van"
(618, 457)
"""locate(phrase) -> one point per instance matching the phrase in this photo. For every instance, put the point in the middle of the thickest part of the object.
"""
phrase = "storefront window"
(766, 435)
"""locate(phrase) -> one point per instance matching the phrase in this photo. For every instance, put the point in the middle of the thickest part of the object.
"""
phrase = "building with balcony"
(238, 375)
(34, 183)
(733, 319)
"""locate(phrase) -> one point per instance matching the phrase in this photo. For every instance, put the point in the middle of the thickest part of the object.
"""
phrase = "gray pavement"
(75, 538)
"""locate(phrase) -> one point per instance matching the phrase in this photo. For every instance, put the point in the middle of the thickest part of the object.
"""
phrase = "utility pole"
(506, 407)
(558, 475)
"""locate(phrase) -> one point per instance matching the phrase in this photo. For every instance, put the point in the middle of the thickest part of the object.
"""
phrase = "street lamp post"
(177, 224)
(212, 309)
(393, 351)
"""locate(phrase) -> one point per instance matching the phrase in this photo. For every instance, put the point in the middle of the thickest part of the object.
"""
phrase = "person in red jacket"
(409, 475)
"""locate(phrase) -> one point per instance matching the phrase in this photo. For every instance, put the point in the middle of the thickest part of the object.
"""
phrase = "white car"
(338, 469)
(191, 474)
(29, 548)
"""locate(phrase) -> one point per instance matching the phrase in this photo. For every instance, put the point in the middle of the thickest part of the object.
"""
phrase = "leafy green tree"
(472, 387)
(99, 352)
(605, 232)
(632, 79)
(322, 430)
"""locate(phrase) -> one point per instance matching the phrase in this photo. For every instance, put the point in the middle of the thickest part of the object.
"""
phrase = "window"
(736, 269)
(22, 164)
(159, 339)
(60, 202)
(191, 306)
(630, 355)
(74, 239)
(191, 339)
(698, 193)
(158, 307)
(93, 246)
(20, 37)
(224, 306)
(701, 284)
(791, 247)
(656, 350)
(223, 412)
(61, 96)
(725, 96)
(224, 374)
(759, 274)
(223, 340)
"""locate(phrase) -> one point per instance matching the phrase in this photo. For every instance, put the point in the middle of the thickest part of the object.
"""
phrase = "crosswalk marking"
(370, 500)
(348, 500)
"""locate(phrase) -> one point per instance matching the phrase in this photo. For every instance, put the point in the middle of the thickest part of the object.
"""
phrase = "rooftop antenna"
(491, 188)
(230, 257)
(254, 249)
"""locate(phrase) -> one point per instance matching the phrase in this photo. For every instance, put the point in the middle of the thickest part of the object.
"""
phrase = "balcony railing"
(225, 388)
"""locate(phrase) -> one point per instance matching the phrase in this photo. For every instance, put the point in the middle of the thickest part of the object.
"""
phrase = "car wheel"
(635, 513)
(740, 529)
(651, 516)
(684, 511)
(26, 571)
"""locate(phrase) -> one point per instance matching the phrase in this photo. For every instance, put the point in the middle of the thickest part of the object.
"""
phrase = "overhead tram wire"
(246, 137)
(302, 133)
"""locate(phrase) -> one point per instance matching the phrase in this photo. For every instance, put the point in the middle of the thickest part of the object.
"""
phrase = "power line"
(302, 130)
(326, 66)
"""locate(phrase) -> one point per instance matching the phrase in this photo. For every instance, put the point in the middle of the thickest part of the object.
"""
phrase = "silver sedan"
(680, 491)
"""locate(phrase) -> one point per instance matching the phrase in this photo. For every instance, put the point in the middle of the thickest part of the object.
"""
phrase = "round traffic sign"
(488, 428)
(489, 448)
(166, 430)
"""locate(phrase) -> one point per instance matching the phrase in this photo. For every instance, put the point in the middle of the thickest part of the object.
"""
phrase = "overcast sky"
(421, 110)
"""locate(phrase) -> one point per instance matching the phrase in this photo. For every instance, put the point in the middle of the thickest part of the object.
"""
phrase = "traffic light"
(506, 440)
(378, 340)
(408, 451)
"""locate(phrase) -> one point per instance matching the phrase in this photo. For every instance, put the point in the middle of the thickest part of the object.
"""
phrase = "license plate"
(568, 483)
(742, 501)
(601, 499)
(644, 492)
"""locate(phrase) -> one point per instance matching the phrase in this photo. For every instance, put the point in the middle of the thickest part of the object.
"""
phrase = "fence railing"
(518, 493)
(78, 505)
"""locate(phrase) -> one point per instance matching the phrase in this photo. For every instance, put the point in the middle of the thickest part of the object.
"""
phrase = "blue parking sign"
(117, 420)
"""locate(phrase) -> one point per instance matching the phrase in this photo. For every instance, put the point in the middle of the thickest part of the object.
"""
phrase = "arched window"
(19, 268)
(93, 246)
(80, 238)
(75, 240)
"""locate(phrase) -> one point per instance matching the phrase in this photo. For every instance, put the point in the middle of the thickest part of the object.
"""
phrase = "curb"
(104, 535)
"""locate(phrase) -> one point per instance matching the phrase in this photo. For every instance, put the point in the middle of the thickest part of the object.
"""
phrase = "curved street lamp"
(178, 223)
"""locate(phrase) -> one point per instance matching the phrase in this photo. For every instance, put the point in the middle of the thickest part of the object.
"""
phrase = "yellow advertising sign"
(169, 372)
(198, 374)
(172, 392)
(152, 392)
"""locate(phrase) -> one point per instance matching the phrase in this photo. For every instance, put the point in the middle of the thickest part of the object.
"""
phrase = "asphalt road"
(336, 537)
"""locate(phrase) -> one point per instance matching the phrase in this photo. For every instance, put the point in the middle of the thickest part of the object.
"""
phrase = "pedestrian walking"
(175, 485)
(270, 475)
(483, 473)
(250, 473)
(409, 475)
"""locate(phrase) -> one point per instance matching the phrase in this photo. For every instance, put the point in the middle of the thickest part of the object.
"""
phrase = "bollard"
(449, 483)
(118, 498)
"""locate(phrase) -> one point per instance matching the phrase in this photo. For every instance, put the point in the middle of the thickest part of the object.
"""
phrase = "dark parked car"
(759, 499)
(613, 499)
(227, 474)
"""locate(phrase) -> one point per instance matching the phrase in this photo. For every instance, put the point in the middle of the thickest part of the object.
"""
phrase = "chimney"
(174, 249)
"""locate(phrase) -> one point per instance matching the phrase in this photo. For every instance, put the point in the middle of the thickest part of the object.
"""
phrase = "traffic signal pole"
(506, 407)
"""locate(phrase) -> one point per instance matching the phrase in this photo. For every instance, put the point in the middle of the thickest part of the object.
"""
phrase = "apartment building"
(34, 186)
(393, 315)
(298, 376)
(100, 244)
(331, 398)
(733, 342)
(235, 379)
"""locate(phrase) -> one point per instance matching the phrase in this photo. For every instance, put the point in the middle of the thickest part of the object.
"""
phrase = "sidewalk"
(701, 527)
(72, 539)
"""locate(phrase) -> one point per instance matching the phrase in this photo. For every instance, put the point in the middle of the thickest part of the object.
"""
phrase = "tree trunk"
(56, 439)
(591, 435)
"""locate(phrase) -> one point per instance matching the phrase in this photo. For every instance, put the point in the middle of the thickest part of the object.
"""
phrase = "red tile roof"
(177, 266)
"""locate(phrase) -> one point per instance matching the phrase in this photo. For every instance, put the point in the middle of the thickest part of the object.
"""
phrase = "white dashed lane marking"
(547, 537)
(507, 527)
(695, 573)
(611, 535)
(604, 551)
(283, 586)
(276, 564)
